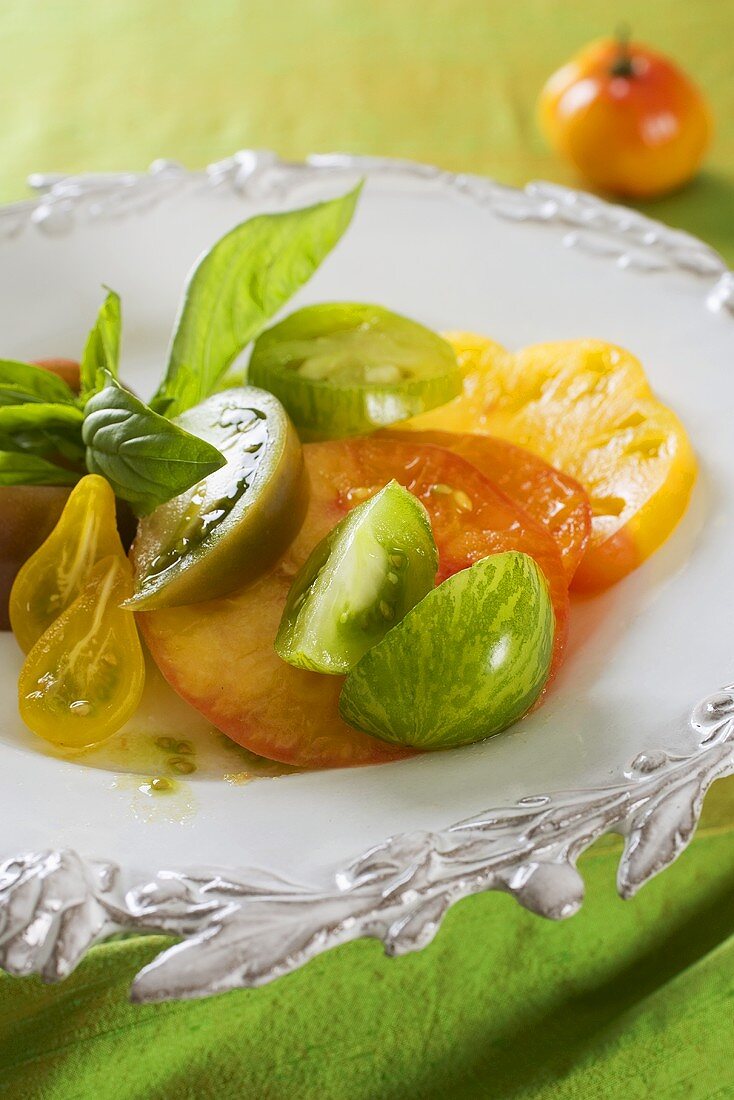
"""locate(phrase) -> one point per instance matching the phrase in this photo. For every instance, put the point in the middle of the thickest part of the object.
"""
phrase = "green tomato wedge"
(235, 523)
(468, 661)
(347, 369)
(368, 572)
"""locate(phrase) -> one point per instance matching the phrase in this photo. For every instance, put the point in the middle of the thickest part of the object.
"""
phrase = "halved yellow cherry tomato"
(83, 679)
(53, 577)
(586, 407)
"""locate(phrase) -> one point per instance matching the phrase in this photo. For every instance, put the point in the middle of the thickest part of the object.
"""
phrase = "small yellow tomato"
(84, 677)
(54, 576)
(628, 118)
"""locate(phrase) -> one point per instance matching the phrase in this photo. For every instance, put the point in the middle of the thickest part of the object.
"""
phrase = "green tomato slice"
(232, 526)
(368, 572)
(347, 369)
(468, 661)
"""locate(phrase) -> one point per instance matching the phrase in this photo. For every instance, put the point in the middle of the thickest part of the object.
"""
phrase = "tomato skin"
(554, 499)
(409, 691)
(290, 714)
(607, 563)
(629, 119)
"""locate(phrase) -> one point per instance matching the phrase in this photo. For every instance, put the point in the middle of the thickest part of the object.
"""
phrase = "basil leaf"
(25, 469)
(237, 287)
(22, 382)
(42, 429)
(102, 349)
(145, 457)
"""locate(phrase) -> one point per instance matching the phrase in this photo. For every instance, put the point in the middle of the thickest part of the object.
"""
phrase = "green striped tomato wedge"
(468, 660)
(361, 579)
(234, 524)
(346, 369)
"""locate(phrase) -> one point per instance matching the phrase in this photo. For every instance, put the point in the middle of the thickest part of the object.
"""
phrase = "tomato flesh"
(219, 655)
(551, 497)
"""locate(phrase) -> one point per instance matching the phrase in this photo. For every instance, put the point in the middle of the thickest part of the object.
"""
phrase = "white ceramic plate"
(257, 877)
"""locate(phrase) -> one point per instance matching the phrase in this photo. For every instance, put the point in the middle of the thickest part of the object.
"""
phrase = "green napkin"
(623, 1000)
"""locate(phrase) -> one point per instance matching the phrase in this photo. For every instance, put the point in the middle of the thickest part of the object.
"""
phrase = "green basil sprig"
(43, 428)
(146, 458)
(28, 469)
(231, 295)
(102, 350)
(237, 287)
(22, 382)
(40, 415)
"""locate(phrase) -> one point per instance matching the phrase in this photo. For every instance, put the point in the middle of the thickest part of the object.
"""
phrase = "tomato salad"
(383, 523)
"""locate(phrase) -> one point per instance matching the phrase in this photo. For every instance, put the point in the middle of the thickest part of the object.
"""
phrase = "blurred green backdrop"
(116, 83)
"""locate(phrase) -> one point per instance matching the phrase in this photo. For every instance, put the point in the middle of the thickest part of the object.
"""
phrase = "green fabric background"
(111, 84)
(627, 999)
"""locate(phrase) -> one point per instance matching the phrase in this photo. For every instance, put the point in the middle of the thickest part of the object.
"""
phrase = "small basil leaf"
(147, 459)
(22, 382)
(102, 349)
(42, 429)
(237, 287)
(27, 469)
(22, 417)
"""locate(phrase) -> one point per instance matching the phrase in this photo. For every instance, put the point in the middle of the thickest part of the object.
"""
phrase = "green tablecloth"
(115, 84)
(627, 999)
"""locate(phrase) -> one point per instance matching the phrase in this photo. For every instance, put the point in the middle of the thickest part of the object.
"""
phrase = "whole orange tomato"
(628, 118)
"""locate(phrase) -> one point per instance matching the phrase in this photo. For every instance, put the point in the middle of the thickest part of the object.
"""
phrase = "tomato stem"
(623, 65)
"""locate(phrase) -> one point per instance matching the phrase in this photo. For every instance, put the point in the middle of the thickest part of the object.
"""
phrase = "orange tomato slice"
(219, 655)
(551, 497)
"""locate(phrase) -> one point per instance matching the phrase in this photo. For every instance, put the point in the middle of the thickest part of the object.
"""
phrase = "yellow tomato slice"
(53, 577)
(84, 677)
(586, 407)
(478, 358)
(639, 479)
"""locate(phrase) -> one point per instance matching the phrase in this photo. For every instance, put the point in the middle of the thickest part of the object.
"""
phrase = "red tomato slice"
(219, 655)
(551, 497)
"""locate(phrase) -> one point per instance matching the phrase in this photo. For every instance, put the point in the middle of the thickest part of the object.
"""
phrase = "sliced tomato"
(220, 657)
(551, 497)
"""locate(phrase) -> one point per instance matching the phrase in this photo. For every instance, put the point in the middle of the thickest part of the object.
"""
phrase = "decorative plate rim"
(617, 233)
(246, 927)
